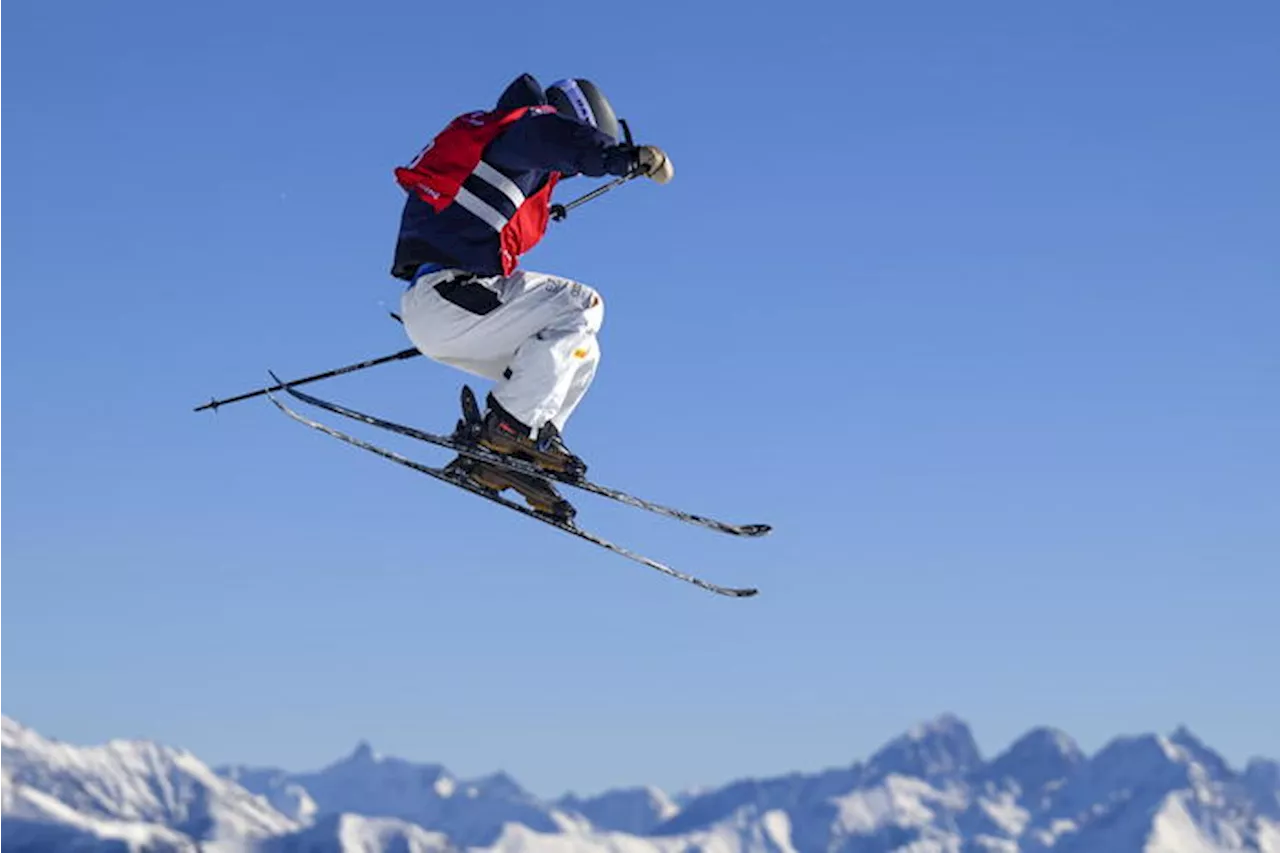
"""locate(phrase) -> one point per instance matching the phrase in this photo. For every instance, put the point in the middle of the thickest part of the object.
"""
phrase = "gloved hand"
(655, 163)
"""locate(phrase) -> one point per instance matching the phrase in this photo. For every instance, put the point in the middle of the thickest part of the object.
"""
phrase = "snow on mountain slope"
(1036, 763)
(137, 792)
(470, 812)
(22, 835)
(1151, 793)
(940, 750)
(714, 806)
(1262, 778)
(1017, 783)
(747, 832)
(349, 833)
(287, 797)
(635, 811)
(928, 790)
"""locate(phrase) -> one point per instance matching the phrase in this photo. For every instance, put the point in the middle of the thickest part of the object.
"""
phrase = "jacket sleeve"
(552, 142)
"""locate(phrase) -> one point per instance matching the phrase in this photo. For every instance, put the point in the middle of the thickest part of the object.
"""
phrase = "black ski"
(485, 455)
(463, 483)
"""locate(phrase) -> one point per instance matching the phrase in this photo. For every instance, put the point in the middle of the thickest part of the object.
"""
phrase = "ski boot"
(498, 431)
(540, 495)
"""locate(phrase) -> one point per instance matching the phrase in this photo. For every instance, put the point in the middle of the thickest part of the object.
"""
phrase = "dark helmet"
(580, 99)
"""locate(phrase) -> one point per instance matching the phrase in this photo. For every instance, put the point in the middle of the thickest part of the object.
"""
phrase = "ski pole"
(350, 368)
(560, 211)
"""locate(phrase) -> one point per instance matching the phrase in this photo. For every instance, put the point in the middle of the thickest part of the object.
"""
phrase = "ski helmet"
(580, 99)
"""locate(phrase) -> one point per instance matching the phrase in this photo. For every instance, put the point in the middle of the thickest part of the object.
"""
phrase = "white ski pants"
(537, 339)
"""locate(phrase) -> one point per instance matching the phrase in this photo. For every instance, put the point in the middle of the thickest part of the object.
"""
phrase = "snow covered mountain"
(124, 795)
(469, 812)
(635, 811)
(928, 791)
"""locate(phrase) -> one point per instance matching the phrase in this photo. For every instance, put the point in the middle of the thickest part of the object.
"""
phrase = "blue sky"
(977, 303)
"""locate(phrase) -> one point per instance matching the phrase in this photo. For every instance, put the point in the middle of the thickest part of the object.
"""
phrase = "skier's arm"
(555, 143)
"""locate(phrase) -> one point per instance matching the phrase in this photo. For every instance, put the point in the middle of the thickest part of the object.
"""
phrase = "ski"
(463, 483)
(485, 455)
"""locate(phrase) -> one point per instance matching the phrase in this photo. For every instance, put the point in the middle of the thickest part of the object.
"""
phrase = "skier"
(479, 196)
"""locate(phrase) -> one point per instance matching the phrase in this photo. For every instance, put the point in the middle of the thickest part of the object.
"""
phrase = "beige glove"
(655, 163)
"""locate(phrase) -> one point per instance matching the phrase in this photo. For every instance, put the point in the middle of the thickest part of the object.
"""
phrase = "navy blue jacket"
(527, 152)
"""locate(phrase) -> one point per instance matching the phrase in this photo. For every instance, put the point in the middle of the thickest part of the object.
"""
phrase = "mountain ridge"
(929, 789)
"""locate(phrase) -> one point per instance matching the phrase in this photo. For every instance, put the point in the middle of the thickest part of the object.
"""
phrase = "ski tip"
(755, 529)
(743, 593)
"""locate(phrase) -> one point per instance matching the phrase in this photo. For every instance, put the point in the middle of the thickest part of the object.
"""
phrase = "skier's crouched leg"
(550, 372)
(456, 318)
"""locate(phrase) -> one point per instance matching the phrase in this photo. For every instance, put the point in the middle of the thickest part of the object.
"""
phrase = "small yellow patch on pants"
(581, 353)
